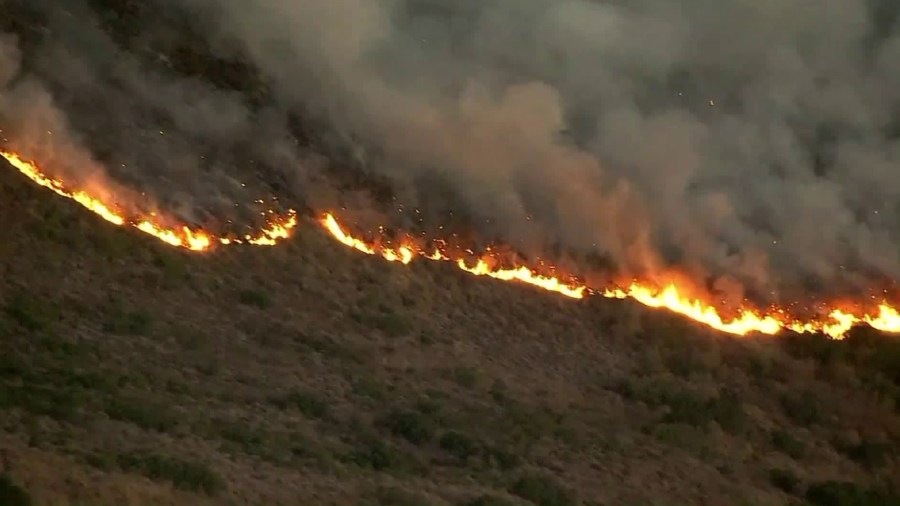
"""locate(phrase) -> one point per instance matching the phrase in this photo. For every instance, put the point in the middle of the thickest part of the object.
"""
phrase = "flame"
(407, 252)
(671, 297)
(278, 227)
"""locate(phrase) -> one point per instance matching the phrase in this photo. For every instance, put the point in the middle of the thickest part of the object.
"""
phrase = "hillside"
(133, 373)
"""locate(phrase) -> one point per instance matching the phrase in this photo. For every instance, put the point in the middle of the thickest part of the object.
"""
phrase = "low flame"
(406, 253)
(670, 297)
(279, 227)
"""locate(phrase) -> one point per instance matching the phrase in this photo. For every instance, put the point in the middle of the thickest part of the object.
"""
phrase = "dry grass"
(131, 373)
(156, 371)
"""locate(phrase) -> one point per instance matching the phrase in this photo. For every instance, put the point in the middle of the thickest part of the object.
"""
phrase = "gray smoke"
(198, 151)
(754, 144)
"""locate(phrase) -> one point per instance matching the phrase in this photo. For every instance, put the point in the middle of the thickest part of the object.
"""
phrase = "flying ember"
(885, 317)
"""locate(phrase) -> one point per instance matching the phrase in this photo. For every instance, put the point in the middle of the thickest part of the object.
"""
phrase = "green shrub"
(784, 480)
(30, 312)
(380, 456)
(57, 403)
(784, 442)
(392, 496)
(183, 474)
(375, 455)
(689, 408)
(12, 494)
(868, 454)
(307, 403)
(391, 324)
(129, 323)
(802, 408)
(502, 459)
(459, 445)
(842, 493)
(145, 414)
(465, 376)
(541, 490)
(250, 440)
(409, 425)
(255, 298)
(488, 500)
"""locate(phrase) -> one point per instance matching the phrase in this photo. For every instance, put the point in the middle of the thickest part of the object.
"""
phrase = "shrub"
(784, 442)
(465, 376)
(842, 493)
(784, 480)
(307, 403)
(379, 456)
(142, 413)
(488, 500)
(12, 494)
(691, 409)
(392, 324)
(541, 490)
(57, 403)
(255, 298)
(392, 496)
(185, 475)
(459, 445)
(409, 425)
(246, 437)
(129, 323)
(802, 408)
(30, 312)
(869, 454)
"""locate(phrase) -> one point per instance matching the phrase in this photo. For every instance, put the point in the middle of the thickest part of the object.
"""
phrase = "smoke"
(85, 105)
(753, 145)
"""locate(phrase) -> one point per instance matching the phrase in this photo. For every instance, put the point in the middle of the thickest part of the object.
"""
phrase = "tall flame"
(671, 296)
(279, 227)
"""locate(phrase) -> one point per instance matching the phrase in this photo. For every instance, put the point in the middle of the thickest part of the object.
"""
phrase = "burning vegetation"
(837, 322)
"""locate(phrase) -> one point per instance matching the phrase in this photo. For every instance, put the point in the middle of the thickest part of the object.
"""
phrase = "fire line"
(838, 322)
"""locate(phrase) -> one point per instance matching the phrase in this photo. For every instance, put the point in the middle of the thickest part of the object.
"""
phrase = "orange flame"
(180, 236)
(670, 297)
(406, 253)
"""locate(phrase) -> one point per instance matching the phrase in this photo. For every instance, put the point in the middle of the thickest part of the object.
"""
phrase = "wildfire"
(406, 253)
(182, 236)
(671, 297)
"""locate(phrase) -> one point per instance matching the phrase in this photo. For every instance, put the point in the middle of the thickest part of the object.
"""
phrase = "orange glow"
(669, 297)
(179, 236)
(406, 253)
(673, 296)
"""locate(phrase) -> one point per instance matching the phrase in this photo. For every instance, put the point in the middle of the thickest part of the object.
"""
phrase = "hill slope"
(132, 373)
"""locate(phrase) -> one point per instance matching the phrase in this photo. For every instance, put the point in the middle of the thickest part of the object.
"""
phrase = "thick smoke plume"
(752, 145)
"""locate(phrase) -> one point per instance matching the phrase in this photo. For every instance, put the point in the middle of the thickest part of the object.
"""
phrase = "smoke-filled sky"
(753, 143)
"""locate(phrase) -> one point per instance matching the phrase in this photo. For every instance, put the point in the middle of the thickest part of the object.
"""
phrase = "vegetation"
(541, 490)
(269, 375)
(12, 494)
(182, 474)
